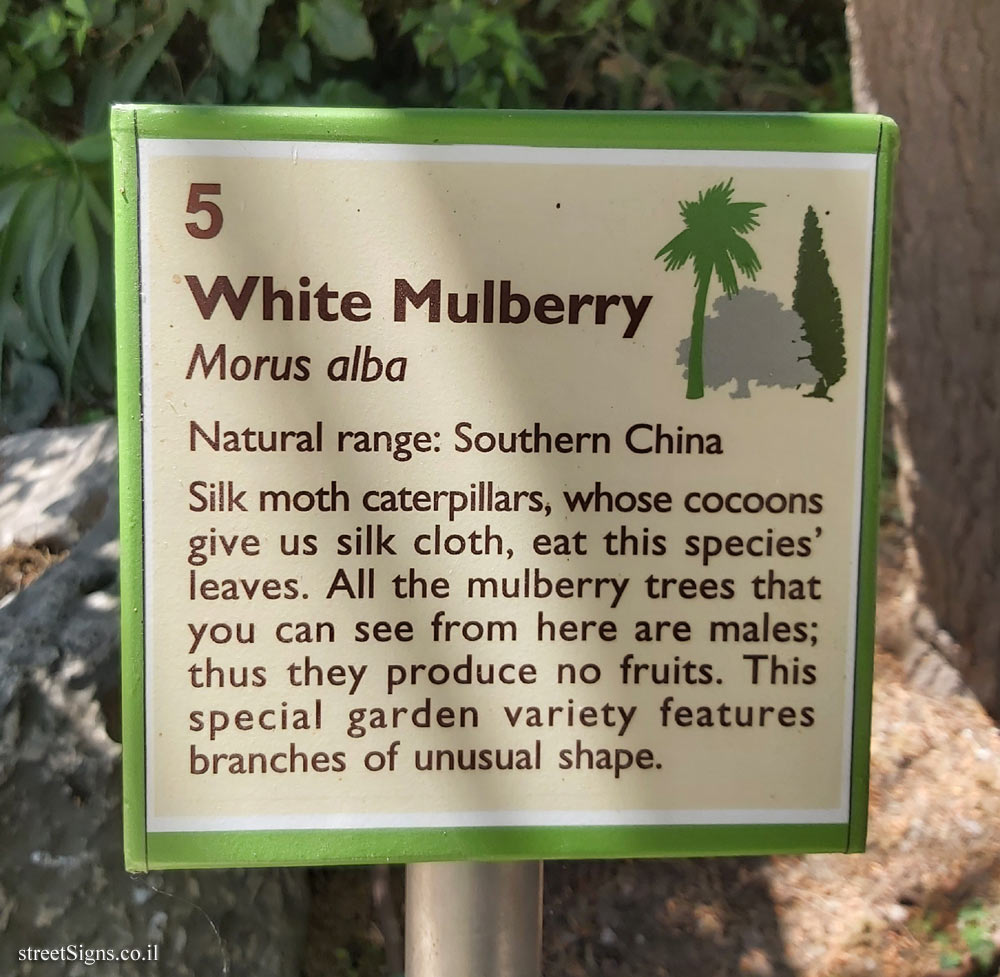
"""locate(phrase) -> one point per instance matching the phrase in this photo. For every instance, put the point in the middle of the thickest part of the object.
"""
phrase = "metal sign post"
(473, 919)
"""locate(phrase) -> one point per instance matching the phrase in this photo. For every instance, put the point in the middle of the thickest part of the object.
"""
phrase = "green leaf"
(533, 74)
(505, 29)
(412, 18)
(593, 13)
(349, 92)
(643, 12)
(32, 391)
(22, 144)
(511, 66)
(99, 95)
(425, 43)
(57, 88)
(234, 30)
(95, 148)
(466, 45)
(683, 76)
(306, 13)
(205, 91)
(19, 85)
(99, 210)
(10, 197)
(340, 29)
(237, 89)
(296, 55)
(102, 12)
(271, 78)
(15, 333)
(51, 321)
(142, 60)
(983, 952)
(35, 202)
(48, 26)
(48, 248)
(973, 914)
(950, 959)
(78, 8)
(84, 289)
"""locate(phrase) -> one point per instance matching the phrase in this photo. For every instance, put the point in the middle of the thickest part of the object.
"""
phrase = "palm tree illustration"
(711, 240)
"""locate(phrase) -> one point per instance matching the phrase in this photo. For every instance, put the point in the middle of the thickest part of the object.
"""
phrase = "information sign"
(497, 485)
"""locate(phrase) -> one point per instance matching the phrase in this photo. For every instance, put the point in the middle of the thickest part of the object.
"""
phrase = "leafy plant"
(480, 51)
(267, 52)
(62, 62)
(34, 55)
(972, 927)
(56, 308)
(968, 940)
(55, 232)
(675, 54)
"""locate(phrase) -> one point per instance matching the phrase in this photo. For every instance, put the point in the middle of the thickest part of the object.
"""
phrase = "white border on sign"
(148, 149)
(493, 819)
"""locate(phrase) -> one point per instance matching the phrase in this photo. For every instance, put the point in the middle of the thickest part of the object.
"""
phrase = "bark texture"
(935, 68)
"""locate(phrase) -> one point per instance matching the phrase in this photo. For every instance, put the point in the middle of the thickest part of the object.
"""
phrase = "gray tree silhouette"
(752, 337)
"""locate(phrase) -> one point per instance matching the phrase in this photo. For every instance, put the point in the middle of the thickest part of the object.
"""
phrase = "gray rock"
(62, 881)
(55, 484)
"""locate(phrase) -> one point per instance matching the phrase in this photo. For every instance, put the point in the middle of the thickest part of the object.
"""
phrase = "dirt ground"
(924, 901)
(20, 565)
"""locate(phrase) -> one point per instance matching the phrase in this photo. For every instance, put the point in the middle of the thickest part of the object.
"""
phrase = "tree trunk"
(696, 355)
(934, 67)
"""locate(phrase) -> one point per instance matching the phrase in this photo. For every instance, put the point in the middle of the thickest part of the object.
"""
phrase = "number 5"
(196, 206)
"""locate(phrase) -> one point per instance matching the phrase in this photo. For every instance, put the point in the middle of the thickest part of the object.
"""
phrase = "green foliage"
(974, 930)
(35, 52)
(62, 62)
(480, 52)
(967, 943)
(338, 27)
(677, 54)
(55, 232)
(61, 65)
(817, 301)
(972, 939)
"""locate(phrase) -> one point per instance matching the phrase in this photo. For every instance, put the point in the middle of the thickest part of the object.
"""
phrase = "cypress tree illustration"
(817, 302)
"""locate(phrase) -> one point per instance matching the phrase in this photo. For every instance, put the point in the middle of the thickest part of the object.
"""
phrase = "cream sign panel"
(491, 486)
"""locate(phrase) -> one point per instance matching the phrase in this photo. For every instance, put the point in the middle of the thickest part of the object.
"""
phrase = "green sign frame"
(145, 850)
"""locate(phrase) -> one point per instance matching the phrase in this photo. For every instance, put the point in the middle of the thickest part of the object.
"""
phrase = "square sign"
(497, 485)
